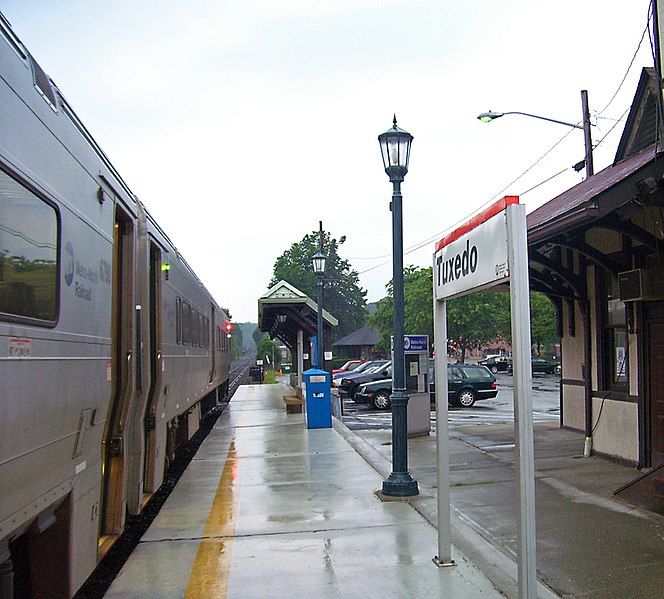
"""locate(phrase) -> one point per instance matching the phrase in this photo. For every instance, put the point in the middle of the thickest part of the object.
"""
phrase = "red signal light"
(228, 326)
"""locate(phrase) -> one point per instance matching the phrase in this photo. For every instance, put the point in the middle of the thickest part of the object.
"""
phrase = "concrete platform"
(268, 508)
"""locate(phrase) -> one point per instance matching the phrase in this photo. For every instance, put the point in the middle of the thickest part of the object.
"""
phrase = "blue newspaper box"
(318, 408)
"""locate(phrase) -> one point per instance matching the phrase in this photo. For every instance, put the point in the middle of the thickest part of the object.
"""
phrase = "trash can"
(317, 405)
(256, 374)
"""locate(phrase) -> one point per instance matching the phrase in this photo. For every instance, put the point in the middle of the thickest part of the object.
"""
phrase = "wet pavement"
(268, 508)
(500, 409)
(589, 543)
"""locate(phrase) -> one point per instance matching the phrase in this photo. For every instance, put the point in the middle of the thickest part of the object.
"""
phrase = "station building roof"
(300, 311)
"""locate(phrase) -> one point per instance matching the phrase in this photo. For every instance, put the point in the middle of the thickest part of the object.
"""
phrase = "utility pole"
(658, 25)
(587, 137)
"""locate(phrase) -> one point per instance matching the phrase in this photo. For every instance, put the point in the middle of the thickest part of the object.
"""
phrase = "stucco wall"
(572, 347)
(617, 433)
(573, 407)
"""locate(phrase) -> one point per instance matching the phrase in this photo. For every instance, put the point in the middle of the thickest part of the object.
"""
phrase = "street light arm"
(544, 118)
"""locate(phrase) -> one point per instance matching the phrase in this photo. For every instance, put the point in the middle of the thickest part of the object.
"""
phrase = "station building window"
(614, 338)
(29, 238)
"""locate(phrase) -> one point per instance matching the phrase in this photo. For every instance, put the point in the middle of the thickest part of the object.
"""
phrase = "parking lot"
(546, 407)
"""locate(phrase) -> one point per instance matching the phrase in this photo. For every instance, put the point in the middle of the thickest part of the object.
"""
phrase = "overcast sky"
(242, 123)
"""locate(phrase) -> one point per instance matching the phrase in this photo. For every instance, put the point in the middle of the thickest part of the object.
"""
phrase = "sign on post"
(490, 249)
(413, 343)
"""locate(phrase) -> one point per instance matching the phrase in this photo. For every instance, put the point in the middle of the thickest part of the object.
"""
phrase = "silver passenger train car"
(110, 346)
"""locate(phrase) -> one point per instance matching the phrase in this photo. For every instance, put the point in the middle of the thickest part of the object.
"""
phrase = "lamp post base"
(400, 484)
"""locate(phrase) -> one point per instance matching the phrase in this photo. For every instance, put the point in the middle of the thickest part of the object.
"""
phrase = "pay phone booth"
(416, 369)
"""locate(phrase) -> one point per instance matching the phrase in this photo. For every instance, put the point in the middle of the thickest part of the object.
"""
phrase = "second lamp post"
(395, 149)
(318, 262)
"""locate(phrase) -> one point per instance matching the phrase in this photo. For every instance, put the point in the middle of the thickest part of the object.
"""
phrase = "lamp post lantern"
(318, 262)
(395, 149)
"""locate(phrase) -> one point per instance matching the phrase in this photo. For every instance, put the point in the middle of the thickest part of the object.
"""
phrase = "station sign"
(474, 256)
(413, 343)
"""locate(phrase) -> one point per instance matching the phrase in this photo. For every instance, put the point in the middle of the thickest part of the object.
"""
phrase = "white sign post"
(491, 248)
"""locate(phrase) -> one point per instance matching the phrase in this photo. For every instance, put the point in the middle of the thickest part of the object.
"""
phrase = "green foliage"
(543, 327)
(258, 336)
(473, 320)
(269, 348)
(343, 296)
(477, 319)
(418, 310)
(236, 342)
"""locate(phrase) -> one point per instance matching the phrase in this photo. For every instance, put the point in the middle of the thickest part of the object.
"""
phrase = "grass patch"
(270, 377)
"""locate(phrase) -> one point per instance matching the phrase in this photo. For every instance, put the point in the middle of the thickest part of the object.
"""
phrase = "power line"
(629, 67)
(421, 244)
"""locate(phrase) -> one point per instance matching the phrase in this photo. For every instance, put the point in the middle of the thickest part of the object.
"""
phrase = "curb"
(467, 538)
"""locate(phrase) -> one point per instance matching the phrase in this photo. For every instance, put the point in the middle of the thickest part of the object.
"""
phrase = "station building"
(597, 251)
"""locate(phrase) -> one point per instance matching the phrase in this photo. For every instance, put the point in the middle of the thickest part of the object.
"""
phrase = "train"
(111, 348)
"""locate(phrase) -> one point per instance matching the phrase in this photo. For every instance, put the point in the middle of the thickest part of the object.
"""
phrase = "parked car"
(350, 384)
(496, 363)
(336, 378)
(466, 383)
(348, 366)
(376, 393)
(542, 365)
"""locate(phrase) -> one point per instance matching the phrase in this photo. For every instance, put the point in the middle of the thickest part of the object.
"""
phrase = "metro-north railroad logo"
(69, 264)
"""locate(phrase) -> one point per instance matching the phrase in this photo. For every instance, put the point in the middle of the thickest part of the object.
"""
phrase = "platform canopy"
(300, 311)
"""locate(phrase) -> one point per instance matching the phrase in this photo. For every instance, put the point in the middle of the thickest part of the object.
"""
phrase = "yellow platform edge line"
(211, 570)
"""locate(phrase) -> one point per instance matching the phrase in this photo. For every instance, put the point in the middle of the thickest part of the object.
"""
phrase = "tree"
(476, 319)
(236, 342)
(268, 347)
(343, 296)
(543, 328)
(258, 336)
(418, 311)
(472, 321)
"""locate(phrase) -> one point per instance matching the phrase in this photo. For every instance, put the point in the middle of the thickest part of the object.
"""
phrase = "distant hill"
(247, 328)
(372, 307)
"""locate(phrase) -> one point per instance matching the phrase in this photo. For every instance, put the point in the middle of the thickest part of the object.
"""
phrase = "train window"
(206, 332)
(178, 320)
(195, 327)
(29, 236)
(186, 323)
(217, 331)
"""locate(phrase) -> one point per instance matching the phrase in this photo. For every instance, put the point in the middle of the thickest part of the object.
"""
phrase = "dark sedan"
(542, 365)
(466, 383)
(497, 363)
(349, 385)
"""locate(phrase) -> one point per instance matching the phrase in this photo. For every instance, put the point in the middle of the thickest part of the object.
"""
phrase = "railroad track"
(236, 374)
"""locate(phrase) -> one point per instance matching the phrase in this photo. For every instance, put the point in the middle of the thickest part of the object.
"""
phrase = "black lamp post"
(318, 262)
(395, 148)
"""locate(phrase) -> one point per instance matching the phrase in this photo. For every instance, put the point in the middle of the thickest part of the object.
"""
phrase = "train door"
(113, 445)
(213, 343)
(155, 371)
